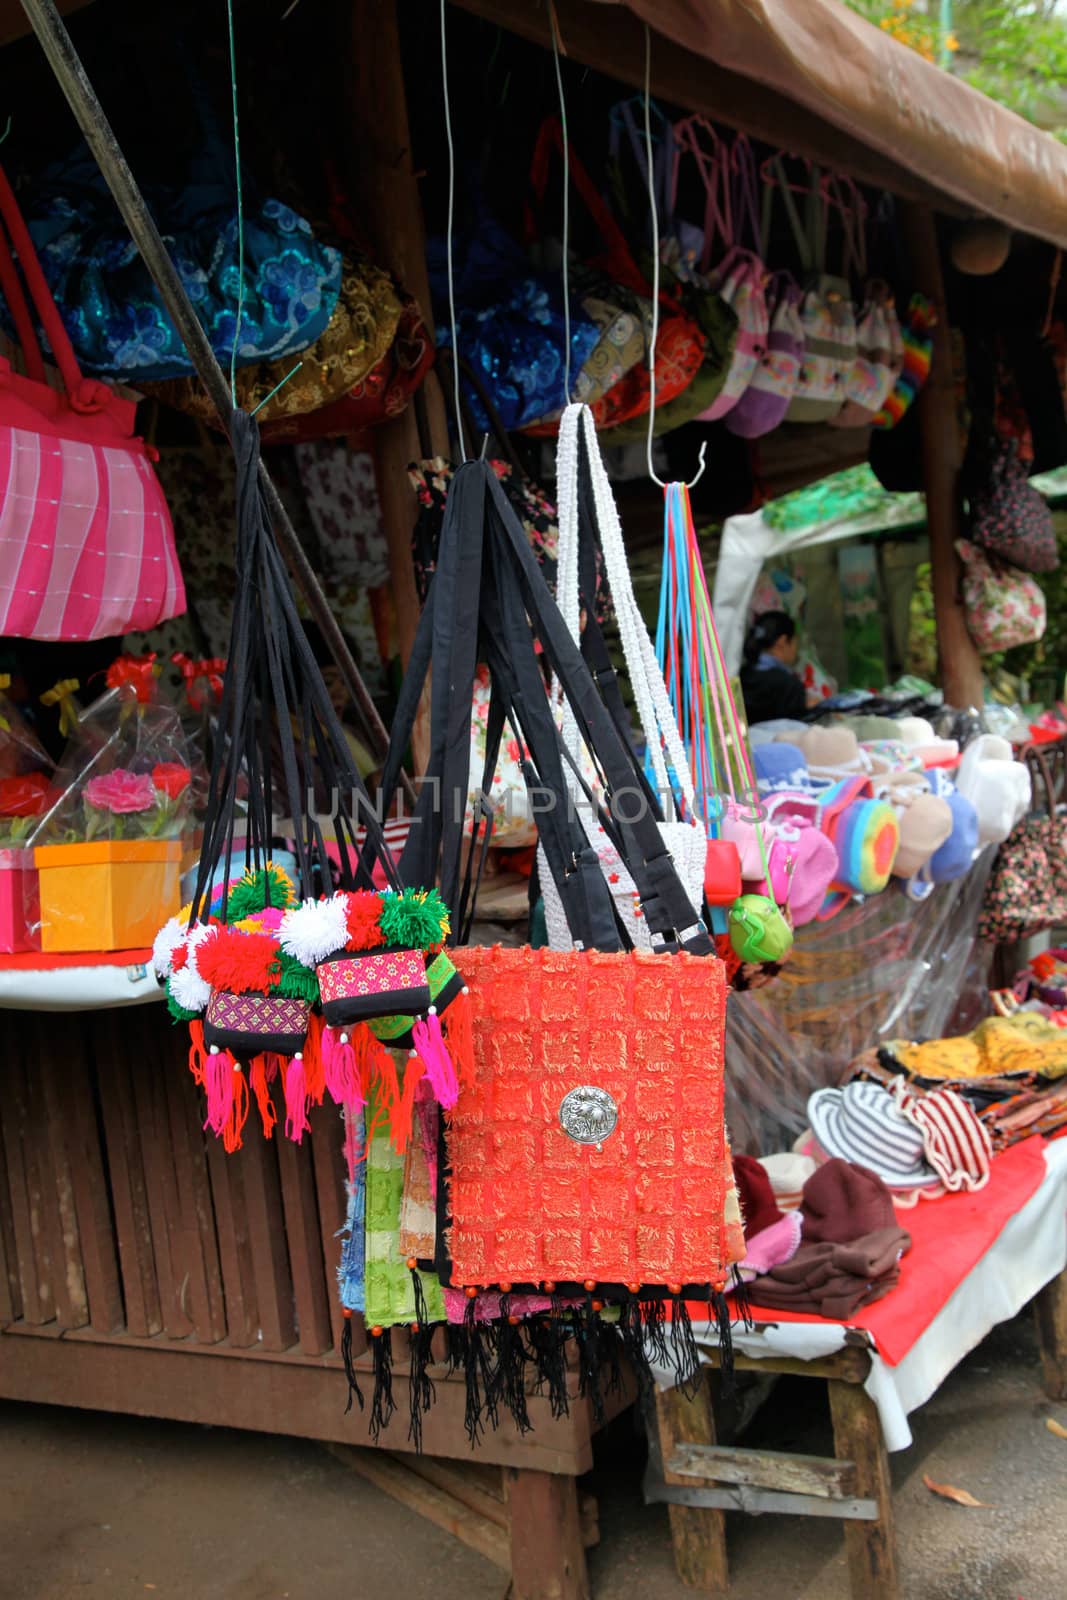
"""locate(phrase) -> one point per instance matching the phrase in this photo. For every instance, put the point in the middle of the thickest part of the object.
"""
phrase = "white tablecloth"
(1029, 1252)
(77, 988)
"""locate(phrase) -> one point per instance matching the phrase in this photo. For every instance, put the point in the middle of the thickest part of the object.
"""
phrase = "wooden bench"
(143, 1270)
(700, 1480)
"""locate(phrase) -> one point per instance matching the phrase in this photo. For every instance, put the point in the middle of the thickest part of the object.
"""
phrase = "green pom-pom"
(297, 982)
(179, 1013)
(414, 919)
(250, 893)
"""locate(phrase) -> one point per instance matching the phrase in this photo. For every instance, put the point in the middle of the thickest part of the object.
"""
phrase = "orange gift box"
(107, 895)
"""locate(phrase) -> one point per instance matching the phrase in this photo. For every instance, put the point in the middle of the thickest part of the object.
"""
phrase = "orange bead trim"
(413, 1262)
(471, 1292)
(634, 1288)
(589, 1285)
(345, 1311)
(505, 1288)
(548, 1286)
(376, 1333)
(513, 1322)
(674, 1288)
(598, 1305)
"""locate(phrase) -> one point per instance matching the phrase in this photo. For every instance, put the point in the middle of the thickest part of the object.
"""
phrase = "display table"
(872, 1388)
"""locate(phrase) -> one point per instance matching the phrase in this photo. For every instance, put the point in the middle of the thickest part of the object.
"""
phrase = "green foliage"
(1015, 51)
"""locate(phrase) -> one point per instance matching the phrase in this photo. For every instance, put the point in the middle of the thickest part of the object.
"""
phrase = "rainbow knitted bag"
(865, 833)
(918, 354)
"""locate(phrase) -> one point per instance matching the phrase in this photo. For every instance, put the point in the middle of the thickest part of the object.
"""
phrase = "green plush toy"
(758, 930)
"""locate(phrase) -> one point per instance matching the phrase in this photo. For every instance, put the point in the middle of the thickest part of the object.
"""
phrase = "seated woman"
(770, 687)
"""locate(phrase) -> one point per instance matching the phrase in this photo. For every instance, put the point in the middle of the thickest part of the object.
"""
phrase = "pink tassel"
(439, 1069)
(296, 1100)
(218, 1084)
(339, 1064)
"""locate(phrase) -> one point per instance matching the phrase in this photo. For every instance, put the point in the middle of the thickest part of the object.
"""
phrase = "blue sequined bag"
(511, 326)
(110, 306)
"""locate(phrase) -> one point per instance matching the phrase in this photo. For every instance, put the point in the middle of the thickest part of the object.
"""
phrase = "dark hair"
(765, 632)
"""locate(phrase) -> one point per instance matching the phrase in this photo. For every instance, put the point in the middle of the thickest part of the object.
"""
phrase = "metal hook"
(655, 282)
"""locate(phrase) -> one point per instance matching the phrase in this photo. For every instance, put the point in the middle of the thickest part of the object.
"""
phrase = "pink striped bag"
(86, 542)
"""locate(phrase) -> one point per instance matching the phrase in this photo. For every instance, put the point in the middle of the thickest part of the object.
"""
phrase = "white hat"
(863, 1124)
(996, 784)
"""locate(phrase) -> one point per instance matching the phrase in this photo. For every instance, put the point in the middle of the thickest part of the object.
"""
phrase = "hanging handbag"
(1027, 891)
(382, 394)
(740, 277)
(681, 252)
(360, 331)
(1003, 605)
(826, 309)
(88, 546)
(679, 342)
(1009, 518)
(587, 510)
(879, 357)
(765, 402)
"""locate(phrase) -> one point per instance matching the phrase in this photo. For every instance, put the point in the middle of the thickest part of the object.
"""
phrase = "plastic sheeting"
(885, 968)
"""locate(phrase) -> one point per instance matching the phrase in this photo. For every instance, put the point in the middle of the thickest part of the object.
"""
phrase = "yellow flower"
(951, 42)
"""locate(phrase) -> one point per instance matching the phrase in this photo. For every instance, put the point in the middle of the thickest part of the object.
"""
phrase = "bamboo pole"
(71, 76)
(959, 665)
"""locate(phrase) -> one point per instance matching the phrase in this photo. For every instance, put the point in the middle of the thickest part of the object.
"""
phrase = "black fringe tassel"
(685, 1357)
(511, 1364)
(382, 1403)
(349, 1366)
(726, 1343)
(632, 1338)
(421, 1389)
(742, 1304)
(472, 1372)
(588, 1330)
(654, 1316)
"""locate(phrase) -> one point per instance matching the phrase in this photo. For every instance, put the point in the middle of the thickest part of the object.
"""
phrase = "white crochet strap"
(654, 709)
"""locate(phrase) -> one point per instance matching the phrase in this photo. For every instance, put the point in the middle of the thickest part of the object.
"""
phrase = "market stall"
(186, 1267)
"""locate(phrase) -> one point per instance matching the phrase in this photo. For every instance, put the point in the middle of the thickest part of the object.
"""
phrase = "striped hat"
(863, 1123)
(955, 1143)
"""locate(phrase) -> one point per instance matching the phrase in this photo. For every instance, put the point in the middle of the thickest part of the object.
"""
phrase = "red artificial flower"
(25, 796)
(241, 963)
(363, 918)
(171, 778)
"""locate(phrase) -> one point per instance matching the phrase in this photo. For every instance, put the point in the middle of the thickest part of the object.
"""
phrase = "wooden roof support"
(959, 664)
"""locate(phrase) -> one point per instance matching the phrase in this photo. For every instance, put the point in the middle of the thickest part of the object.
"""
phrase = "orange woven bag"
(588, 1146)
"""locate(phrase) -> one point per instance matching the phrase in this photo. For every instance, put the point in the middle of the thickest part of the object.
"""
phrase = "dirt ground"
(96, 1507)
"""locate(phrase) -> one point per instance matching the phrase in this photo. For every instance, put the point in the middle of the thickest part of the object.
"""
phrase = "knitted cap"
(843, 1201)
(862, 1123)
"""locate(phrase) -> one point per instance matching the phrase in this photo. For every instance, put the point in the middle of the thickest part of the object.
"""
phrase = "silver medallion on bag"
(588, 1115)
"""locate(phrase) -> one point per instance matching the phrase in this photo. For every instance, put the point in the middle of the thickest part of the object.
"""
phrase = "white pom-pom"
(188, 988)
(317, 929)
(164, 945)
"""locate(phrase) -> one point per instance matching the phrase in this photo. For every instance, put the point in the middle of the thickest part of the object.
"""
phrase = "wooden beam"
(613, 42)
(959, 664)
(547, 1556)
(870, 1546)
(1050, 1309)
(765, 1469)
(698, 1533)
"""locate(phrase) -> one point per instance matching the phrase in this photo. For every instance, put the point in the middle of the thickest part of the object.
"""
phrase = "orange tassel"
(234, 1125)
(403, 1112)
(265, 1105)
(314, 1068)
(457, 1027)
(196, 1050)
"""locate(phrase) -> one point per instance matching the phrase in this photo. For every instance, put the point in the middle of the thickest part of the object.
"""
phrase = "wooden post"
(958, 661)
(547, 1552)
(1050, 1309)
(870, 1546)
(698, 1534)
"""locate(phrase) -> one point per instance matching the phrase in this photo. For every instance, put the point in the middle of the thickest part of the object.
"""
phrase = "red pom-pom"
(241, 963)
(364, 920)
(179, 958)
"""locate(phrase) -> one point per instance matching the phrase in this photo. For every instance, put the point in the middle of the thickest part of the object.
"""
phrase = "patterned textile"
(999, 1045)
(389, 1292)
(530, 1202)
(86, 539)
(111, 308)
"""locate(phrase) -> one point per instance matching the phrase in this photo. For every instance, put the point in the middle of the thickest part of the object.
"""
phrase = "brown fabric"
(852, 75)
(759, 1209)
(833, 1280)
(843, 1201)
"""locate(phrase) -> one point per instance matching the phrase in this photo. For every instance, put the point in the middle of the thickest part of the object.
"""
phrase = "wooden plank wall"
(118, 1213)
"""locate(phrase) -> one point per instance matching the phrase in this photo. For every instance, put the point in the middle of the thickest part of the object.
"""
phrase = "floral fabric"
(111, 308)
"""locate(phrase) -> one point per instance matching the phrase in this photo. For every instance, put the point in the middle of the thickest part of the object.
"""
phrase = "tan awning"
(800, 73)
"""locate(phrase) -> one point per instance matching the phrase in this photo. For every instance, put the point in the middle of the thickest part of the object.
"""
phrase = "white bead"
(344, 1038)
(432, 1011)
(299, 1056)
(465, 990)
(412, 1053)
(214, 1050)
